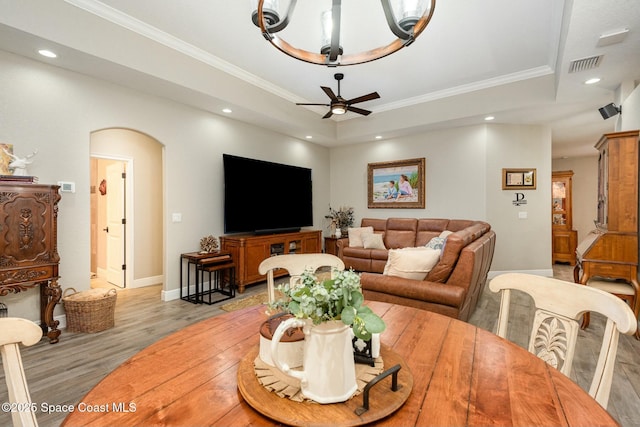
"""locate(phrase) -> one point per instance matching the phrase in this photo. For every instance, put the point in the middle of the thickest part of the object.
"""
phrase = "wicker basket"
(89, 311)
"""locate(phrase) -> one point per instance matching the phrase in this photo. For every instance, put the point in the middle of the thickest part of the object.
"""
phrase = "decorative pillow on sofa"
(356, 234)
(411, 263)
(436, 243)
(373, 241)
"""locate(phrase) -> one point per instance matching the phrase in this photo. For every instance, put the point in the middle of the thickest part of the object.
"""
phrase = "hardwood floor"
(61, 374)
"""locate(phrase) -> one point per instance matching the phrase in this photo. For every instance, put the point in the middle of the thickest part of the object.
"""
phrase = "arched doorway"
(126, 210)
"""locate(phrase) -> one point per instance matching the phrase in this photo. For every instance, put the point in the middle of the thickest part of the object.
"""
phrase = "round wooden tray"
(382, 400)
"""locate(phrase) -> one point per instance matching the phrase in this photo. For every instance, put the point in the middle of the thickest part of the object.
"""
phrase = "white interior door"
(115, 225)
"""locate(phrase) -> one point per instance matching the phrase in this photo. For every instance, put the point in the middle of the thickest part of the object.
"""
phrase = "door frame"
(128, 212)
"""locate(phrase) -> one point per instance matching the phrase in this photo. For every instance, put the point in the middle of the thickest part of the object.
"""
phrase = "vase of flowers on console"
(341, 219)
(328, 311)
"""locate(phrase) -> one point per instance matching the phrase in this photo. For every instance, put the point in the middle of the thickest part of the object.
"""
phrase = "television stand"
(249, 250)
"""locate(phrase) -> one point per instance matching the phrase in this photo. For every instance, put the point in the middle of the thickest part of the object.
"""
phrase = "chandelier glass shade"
(406, 19)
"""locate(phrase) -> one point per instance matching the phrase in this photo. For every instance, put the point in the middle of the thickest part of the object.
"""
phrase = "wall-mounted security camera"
(610, 110)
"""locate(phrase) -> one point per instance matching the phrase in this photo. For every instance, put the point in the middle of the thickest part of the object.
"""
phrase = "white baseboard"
(146, 281)
(170, 295)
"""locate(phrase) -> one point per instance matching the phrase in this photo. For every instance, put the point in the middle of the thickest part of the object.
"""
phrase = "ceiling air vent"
(585, 63)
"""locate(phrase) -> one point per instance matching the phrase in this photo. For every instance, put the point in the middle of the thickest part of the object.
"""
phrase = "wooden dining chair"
(296, 264)
(559, 308)
(12, 332)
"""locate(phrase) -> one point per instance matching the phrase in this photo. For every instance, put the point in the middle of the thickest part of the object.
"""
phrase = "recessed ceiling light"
(227, 110)
(378, 136)
(308, 137)
(489, 118)
(47, 53)
(592, 81)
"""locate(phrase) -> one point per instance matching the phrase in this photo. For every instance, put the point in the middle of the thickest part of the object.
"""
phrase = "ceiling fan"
(339, 105)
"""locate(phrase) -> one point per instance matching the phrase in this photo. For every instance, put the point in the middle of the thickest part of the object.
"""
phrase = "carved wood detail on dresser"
(28, 246)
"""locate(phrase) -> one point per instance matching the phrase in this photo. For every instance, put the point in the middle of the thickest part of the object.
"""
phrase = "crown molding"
(150, 32)
(466, 88)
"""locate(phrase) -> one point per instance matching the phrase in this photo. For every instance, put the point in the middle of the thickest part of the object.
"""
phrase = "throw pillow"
(356, 234)
(373, 241)
(411, 263)
(436, 243)
(445, 233)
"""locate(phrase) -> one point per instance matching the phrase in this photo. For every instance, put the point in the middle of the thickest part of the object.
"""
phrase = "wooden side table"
(221, 282)
(330, 245)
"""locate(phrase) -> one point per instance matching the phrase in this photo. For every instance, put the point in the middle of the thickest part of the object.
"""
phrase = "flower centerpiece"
(342, 218)
(328, 311)
(337, 298)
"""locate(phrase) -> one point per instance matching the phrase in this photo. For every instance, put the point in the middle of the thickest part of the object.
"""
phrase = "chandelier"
(405, 18)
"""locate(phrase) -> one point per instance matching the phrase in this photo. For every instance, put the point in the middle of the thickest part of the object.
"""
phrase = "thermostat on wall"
(67, 187)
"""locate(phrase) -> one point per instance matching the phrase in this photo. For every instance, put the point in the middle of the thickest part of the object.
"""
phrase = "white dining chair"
(559, 309)
(620, 288)
(14, 331)
(296, 264)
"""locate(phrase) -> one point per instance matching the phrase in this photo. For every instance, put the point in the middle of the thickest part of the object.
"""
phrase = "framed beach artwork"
(396, 184)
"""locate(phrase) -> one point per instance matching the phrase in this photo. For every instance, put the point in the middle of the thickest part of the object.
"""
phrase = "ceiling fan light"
(269, 10)
(339, 109)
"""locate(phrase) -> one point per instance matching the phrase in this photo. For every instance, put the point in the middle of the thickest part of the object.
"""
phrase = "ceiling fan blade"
(329, 114)
(329, 93)
(301, 103)
(369, 97)
(358, 110)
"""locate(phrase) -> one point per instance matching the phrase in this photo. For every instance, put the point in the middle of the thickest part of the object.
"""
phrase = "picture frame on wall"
(519, 179)
(396, 184)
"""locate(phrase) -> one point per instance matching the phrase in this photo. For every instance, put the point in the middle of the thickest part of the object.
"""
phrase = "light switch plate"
(522, 215)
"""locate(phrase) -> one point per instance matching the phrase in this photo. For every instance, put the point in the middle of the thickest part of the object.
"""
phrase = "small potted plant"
(342, 219)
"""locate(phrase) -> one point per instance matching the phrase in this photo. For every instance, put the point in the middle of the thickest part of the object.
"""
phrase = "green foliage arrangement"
(343, 218)
(339, 298)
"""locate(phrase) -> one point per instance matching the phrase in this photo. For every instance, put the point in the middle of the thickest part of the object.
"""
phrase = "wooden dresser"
(28, 246)
(611, 251)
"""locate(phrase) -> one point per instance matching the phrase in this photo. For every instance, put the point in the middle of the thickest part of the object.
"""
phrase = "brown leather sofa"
(454, 284)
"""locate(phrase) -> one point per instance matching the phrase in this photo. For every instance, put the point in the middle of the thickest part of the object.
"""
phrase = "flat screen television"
(265, 197)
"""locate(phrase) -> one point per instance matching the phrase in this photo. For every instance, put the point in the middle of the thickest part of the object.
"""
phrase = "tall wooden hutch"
(28, 245)
(564, 237)
(611, 250)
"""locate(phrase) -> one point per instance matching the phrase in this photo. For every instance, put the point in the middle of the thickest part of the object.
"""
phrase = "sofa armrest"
(423, 290)
(342, 243)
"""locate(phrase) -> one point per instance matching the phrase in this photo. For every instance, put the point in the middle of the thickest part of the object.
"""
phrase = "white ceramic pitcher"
(329, 373)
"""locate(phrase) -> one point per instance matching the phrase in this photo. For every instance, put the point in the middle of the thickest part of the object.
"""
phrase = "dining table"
(462, 375)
